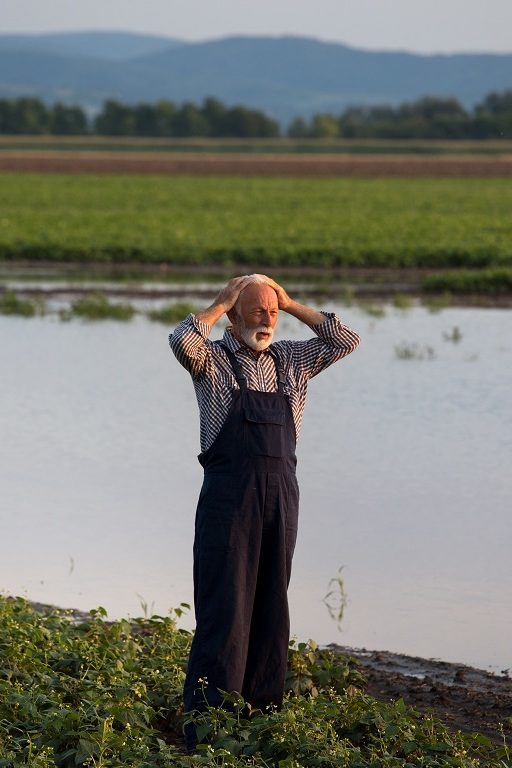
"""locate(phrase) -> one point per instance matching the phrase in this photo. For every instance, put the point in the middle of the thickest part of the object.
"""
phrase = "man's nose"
(266, 318)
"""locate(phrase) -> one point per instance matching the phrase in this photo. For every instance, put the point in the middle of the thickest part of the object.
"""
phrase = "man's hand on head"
(305, 314)
(283, 299)
(224, 301)
(228, 296)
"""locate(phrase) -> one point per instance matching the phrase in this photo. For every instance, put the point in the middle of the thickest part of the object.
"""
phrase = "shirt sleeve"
(333, 341)
(190, 344)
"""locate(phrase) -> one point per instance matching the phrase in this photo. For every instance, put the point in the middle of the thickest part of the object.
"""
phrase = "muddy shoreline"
(48, 280)
(462, 697)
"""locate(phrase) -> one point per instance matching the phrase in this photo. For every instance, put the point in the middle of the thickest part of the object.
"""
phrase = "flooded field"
(404, 467)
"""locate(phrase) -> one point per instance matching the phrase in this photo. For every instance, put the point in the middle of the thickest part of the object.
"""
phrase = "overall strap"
(281, 375)
(240, 376)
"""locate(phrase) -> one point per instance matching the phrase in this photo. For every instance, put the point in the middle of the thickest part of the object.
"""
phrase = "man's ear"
(232, 316)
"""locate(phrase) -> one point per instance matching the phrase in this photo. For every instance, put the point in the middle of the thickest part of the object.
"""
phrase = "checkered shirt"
(213, 376)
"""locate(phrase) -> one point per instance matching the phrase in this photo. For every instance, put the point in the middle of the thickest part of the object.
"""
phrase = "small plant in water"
(455, 335)
(96, 306)
(172, 313)
(402, 301)
(336, 598)
(437, 303)
(11, 304)
(347, 295)
(374, 310)
(407, 351)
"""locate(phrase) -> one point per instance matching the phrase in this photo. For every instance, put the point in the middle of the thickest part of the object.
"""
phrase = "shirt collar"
(229, 340)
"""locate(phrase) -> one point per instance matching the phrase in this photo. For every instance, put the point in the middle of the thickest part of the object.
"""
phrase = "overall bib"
(245, 532)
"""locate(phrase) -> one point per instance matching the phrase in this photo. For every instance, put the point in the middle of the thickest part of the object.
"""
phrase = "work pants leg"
(243, 550)
(267, 656)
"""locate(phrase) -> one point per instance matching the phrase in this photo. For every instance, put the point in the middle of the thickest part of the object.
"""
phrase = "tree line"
(426, 118)
(165, 119)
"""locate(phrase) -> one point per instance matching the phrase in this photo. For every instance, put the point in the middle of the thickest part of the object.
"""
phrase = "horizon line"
(260, 35)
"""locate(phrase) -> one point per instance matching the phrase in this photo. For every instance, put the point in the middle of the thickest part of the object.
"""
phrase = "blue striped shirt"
(214, 379)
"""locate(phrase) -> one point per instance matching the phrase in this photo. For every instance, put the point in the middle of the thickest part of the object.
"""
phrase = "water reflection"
(404, 467)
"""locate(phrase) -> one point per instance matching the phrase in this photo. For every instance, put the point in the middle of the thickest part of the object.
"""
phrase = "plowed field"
(398, 166)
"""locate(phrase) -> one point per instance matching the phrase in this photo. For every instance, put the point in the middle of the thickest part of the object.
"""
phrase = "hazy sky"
(425, 26)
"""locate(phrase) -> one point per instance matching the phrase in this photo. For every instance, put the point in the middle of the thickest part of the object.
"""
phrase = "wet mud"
(463, 698)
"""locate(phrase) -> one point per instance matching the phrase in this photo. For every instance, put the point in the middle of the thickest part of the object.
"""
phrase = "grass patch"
(402, 301)
(437, 303)
(11, 304)
(407, 351)
(374, 310)
(100, 693)
(490, 281)
(96, 306)
(172, 313)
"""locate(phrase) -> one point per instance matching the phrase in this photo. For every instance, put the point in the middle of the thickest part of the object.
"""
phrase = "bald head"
(257, 294)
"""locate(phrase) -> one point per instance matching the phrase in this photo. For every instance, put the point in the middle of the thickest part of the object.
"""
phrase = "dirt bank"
(463, 697)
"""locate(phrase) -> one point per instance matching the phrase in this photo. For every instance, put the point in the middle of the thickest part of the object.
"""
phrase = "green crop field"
(200, 221)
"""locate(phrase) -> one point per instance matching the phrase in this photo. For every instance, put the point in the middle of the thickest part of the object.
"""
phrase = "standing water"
(404, 468)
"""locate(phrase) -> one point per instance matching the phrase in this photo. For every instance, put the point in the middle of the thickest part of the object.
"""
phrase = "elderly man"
(251, 394)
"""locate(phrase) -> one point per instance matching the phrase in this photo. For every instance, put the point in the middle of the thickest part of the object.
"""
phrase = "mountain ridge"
(285, 75)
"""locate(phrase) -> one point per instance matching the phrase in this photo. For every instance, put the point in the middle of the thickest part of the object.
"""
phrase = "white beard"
(249, 337)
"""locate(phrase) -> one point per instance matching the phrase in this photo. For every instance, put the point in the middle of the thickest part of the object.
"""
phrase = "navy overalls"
(246, 527)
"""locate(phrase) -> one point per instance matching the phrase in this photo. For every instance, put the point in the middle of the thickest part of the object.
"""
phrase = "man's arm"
(189, 340)
(305, 314)
(333, 341)
(224, 301)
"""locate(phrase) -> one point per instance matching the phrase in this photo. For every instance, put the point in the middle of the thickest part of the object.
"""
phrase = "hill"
(284, 76)
(114, 46)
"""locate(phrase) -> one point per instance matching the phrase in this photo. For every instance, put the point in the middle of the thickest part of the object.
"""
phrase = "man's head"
(255, 314)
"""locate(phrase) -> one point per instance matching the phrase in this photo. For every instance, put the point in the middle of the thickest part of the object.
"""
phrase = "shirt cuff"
(329, 325)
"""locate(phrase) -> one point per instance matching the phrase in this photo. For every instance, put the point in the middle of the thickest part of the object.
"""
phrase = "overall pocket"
(264, 425)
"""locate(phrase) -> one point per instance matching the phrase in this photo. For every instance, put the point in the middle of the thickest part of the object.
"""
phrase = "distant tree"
(214, 112)
(428, 117)
(165, 112)
(432, 108)
(493, 117)
(354, 123)
(298, 129)
(189, 121)
(28, 116)
(145, 120)
(433, 118)
(496, 103)
(242, 122)
(67, 120)
(115, 119)
(6, 116)
(325, 126)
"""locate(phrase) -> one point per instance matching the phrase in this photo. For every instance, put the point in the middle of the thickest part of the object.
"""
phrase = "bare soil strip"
(462, 697)
(399, 166)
